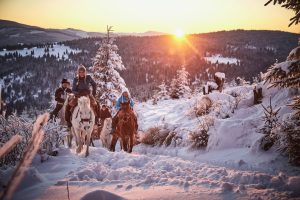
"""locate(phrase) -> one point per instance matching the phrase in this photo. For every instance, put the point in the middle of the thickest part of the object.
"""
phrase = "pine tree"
(106, 63)
(287, 75)
(163, 93)
(289, 4)
(180, 84)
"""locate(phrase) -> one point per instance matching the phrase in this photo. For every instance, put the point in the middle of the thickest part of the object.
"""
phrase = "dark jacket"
(60, 93)
(81, 86)
(104, 114)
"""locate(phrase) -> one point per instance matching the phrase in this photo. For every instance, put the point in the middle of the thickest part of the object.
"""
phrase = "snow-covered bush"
(159, 136)
(238, 97)
(199, 138)
(203, 105)
(271, 122)
(240, 81)
(9, 127)
(289, 142)
(149, 136)
(13, 125)
(222, 106)
(53, 138)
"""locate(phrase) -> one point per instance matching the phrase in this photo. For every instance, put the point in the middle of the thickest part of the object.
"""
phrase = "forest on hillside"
(148, 61)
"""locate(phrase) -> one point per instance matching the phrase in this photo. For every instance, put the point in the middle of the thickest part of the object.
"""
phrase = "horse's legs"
(88, 143)
(131, 142)
(125, 144)
(78, 137)
(92, 142)
(69, 138)
(113, 142)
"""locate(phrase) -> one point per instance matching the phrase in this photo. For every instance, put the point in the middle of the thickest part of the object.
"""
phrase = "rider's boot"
(68, 116)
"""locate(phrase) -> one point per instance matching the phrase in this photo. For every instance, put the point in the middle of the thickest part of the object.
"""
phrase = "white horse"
(105, 135)
(61, 116)
(83, 121)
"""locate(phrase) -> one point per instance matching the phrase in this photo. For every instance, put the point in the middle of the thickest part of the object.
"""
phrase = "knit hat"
(81, 68)
(64, 80)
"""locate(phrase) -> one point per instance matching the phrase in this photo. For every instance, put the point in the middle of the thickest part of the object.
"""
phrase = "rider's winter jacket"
(81, 86)
(60, 94)
(123, 99)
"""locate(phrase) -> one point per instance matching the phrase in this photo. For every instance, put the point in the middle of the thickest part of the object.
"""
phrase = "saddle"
(74, 101)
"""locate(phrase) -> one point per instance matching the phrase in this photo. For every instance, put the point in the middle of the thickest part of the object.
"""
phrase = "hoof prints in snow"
(128, 171)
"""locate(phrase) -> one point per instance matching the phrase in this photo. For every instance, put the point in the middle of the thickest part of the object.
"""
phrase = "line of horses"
(83, 125)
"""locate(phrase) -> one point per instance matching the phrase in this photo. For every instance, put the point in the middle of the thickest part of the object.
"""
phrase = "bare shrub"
(160, 137)
(203, 106)
(9, 127)
(199, 138)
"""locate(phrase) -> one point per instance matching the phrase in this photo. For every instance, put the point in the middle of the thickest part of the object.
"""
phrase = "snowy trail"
(148, 176)
(230, 168)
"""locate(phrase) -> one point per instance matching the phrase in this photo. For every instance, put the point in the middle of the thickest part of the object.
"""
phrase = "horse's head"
(85, 112)
(125, 106)
(84, 102)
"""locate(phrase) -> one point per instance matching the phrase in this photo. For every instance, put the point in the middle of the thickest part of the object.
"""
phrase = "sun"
(179, 34)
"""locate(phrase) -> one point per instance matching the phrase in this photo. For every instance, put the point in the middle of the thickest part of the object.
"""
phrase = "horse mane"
(84, 102)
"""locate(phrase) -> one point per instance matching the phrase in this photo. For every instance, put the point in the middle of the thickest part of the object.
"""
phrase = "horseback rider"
(81, 87)
(124, 98)
(60, 97)
(104, 113)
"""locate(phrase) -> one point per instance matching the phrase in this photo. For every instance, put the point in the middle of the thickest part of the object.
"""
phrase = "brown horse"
(126, 129)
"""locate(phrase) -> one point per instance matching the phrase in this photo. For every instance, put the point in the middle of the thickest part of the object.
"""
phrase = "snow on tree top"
(220, 75)
(294, 54)
(284, 66)
(109, 82)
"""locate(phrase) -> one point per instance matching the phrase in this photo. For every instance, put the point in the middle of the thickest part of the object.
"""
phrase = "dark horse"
(126, 129)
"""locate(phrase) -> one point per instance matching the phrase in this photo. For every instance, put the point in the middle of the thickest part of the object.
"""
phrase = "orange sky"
(191, 16)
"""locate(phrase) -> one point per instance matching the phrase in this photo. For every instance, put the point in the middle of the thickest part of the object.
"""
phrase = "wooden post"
(260, 96)
(257, 95)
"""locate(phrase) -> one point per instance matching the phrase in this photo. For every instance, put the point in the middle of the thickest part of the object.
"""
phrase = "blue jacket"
(82, 85)
(123, 99)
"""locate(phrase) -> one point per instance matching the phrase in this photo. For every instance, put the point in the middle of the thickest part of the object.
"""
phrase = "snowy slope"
(60, 51)
(232, 167)
(220, 59)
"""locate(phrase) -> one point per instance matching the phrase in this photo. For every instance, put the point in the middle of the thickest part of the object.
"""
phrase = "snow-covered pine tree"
(287, 75)
(163, 91)
(106, 63)
(180, 84)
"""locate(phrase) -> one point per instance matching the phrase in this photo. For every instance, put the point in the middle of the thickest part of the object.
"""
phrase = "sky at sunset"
(191, 16)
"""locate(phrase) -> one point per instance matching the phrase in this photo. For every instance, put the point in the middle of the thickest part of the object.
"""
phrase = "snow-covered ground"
(232, 166)
(220, 59)
(60, 51)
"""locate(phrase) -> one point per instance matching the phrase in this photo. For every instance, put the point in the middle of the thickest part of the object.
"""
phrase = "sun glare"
(179, 34)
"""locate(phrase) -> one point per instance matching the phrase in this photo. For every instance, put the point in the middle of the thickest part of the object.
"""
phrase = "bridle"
(84, 119)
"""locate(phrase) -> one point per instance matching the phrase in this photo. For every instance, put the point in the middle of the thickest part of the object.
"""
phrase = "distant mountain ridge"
(12, 33)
